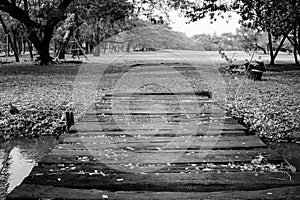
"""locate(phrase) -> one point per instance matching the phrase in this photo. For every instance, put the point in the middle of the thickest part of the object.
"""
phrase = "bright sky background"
(204, 25)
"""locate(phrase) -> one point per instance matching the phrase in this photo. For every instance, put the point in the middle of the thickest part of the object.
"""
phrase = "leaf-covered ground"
(41, 93)
(270, 108)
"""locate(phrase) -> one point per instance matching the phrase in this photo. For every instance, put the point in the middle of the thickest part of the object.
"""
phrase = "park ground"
(270, 108)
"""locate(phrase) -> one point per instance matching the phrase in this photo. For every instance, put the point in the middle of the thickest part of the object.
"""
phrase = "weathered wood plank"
(35, 192)
(148, 101)
(130, 111)
(179, 127)
(167, 118)
(167, 108)
(236, 140)
(169, 125)
(159, 156)
(179, 93)
(168, 182)
(155, 133)
(100, 168)
(194, 115)
(148, 143)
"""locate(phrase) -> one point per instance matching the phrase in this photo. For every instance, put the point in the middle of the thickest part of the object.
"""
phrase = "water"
(24, 154)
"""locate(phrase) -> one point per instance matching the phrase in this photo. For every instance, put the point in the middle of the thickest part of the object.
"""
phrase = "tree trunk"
(45, 55)
(87, 47)
(9, 39)
(296, 55)
(91, 47)
(15, 40)
(97, 47)
(272, 62)
(21, 45)
(295, 46)
(24, 40)
(30, 49)
(299, 37)
(43, 48)
(272, 54)
(97, 50)
(104, 47)
(128, 47)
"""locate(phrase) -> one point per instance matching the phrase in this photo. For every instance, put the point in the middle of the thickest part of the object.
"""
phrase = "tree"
(9, 38)
(275, 17)
(147, 35)
(40, 19)
(250, 39)
(206, 41)
(112, 18)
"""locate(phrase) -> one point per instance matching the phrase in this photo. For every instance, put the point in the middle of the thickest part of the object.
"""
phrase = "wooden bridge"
(152, 146)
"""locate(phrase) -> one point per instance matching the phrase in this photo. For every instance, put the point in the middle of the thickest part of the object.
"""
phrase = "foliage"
(277, 18)
(226, 41)
(155, 36)
(42, 94)
(270, 107)
(105, 18)
(250, 39)
(40, 19)
(244, 39)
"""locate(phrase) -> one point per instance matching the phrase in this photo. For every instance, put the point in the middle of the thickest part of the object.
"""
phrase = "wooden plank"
(155, 133)
(196, 115)
(154, 118)
(237, 140)
(141, 168)
(168, 118)
(172, 182)
(148, 101)
(148, 143)
(178, 93)
(179, 127)
(136, 125)
(166, 98)
(166, 107)
(171, 156)
(160, 111)
(96, 116)
(35, 192)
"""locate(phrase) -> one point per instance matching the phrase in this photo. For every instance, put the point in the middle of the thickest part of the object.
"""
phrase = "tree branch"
(64, 4)
(17, 13)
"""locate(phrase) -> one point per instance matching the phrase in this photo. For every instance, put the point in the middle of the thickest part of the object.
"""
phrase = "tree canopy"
(104, 18)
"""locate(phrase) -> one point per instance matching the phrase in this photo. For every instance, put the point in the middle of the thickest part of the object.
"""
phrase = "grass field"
(43, 94)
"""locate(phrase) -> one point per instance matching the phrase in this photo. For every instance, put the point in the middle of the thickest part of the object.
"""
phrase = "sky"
(204, 25)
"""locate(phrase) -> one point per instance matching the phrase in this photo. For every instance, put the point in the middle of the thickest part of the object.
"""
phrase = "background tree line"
(47, 23)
